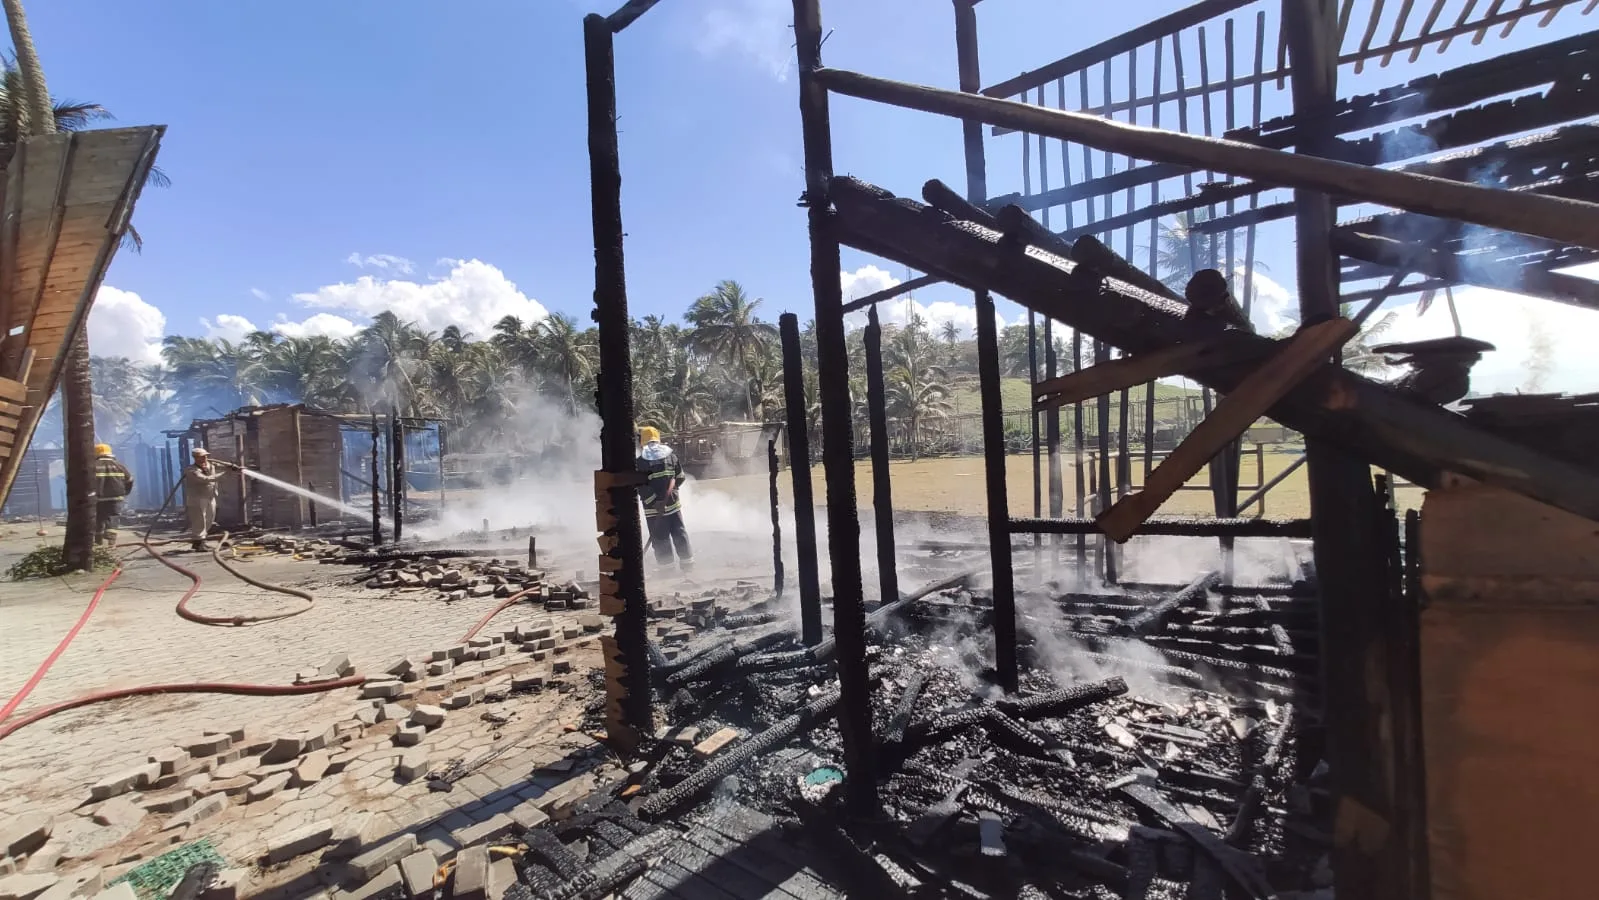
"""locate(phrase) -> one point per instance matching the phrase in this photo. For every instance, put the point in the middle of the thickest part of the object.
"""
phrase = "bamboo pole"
(1555, 218)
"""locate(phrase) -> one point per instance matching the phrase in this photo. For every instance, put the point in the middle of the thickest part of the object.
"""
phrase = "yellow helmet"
(102, 449)
(647, 433)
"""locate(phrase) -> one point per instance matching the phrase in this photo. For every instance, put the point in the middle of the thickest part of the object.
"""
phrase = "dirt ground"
(956, 484)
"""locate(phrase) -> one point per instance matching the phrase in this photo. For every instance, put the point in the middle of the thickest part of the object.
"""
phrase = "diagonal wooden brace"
(1130, 371)
(1293, 362)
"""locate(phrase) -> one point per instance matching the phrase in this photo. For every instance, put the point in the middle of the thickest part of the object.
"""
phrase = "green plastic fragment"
(155, 879)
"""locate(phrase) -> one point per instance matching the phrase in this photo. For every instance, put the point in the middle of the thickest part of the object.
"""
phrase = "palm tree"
(121, 394)
(213, 377)
(727, 330)
(1357, 354)
(569, 354)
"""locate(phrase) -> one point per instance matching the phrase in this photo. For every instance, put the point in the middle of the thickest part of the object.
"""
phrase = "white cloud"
(227, 327)
(320, 324)
(121, 323)
(474, 295)
(870, 279)
(383, 262)
(756, 31)
(259, 294)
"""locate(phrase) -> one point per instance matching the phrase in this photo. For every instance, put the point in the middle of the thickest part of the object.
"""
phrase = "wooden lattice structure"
(67, 202)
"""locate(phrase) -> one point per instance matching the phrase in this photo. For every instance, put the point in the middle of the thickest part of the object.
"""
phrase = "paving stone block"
(527, 815)
(413, 764)
(399, 668)
(497, 825)
(284, 749)
(168, 802)
(497, 691)
(289, 844)
(197, 782)
(122, 890)
(169, 758)
(368, 716)
(684, 736)
(266, 787)
(561, 666)
(122, 782)
(82, 882)
(337, 666)
(416, 873)
(472, 874)
(231, 787)
(441, 667)
(381, 689)
(199, 812)
(429, 717)
(547, 643)
(24, 886)
(353, 832)
(458, 652)
(226, 886)
(367, 865)
(118, 812)
(318, 736)
(208, 745)
(492, 651)
(591, 622)
(502, 874)
(458, 700)
(479, 642)
(526, 681)
(311, 768)
(384, 884)
(24, 834)
(245, 766)
(409, 735)
(393, 712)
(571, 631)
(229, 755)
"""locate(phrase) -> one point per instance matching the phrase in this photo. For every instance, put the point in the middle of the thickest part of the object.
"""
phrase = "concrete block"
(289, 844)
(338, 666)
(497, 691)
(24, 834)
(318, 736)
(409, 735)
(368, 716)
(385, 883)
(527, 681)
(122, 782)
(497, 825)
(231, 787)
(83, 882)
(459, 700)
(381, 689)
(684, 736)
(168, 802)
(199, 812)
(118, 812)
(208, 745)
(311, 768)
(284, 748)
(398, 668)
(472, 874)
(479, 642)
(368, 864)
(245, 766)
(416, 873)
(413, 764)
(502, 874)
(266, 787)
(428, 716)
(561, 666)
(441, 667)
(353, 833)
(197, 782)
(492, 651)
(169, 759)
(25, 886)
(528, 815)
(394, 712)
(458, 652)
(571, 632)
(226, 886)
(591, 622)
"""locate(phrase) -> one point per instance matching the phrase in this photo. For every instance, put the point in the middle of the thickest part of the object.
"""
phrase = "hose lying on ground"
(38, 674)
(505, 604)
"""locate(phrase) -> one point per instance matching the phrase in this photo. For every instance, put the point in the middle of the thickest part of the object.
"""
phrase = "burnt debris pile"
(1161, 745)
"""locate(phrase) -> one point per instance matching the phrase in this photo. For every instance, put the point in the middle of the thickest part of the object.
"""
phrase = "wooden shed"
(288, 442)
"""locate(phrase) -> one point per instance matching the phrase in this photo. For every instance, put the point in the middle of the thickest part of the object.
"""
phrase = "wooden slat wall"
(1510, 686)
(278, 457)
(320, 452)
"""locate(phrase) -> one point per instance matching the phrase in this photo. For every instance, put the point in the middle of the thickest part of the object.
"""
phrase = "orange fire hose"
(506, 604)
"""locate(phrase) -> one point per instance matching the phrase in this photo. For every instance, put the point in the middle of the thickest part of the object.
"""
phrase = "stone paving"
(120, 782)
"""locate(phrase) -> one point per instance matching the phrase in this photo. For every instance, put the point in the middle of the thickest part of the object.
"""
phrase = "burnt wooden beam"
(1534, 214)
(628, 14)
(1175, 526)
(1422, 259)
(1413, 439)
(1115, 374)
(1293, 362)
(799, 470)
(1091, 252)
(904, 287)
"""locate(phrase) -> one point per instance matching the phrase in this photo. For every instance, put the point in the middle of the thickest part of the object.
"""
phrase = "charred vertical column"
(882, 490)
(1349, 553)
(1057, 497)
(1103, 495)
(777, 522)
(441, 469)
(397, 472)
(799, 470)
(988, 373)
(377, 524)
(627, 682)
(843, 528)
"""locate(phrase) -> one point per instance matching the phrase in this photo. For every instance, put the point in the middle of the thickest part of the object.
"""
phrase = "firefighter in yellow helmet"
(663, 506)
(200, 494)
(112, 485)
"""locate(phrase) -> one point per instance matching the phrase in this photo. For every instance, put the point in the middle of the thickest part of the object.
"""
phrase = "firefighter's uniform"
(200, 496)
(112, 485)
(663, 504)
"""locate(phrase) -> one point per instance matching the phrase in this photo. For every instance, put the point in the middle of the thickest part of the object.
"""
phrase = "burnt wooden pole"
(1349, 553)
(377, 517)
(799, 470)
(397, 472)
(777, 522)
(627, 683)
(988, 373)
(843, 528)
(882, 490)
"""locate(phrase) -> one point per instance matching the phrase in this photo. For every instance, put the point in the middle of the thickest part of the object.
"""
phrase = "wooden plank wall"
(320, 454)
(279, 457)
(220, 441)
(1510, 690)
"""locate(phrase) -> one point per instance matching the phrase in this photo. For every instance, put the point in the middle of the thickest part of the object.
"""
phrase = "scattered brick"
(24, 834)
(168, 802)
(502, 874)
(528, 815)
(25, 886)
(368, 716)
(591, 623)
(561, 666)
(497, 825)
(298, 842)
(527, 681)
(226, 885)
(284, 749)
(399, 668)
(711, 745)
(311, 769)
(209, 745)
(458, 652)
(472, 874)
(197, 782)
(230, 786)
(428, 716)
(497, 691)
(169, 759)
(409, 735)
(413, 764)
(122, 782)
(571, 631)
(80, 882)
(266, 787)
(416, 872)
(246, 766)
(683, 736)
(318, 737)
(368, 864)
(384, 689)
(118, 812)
(385, 883)
(199, 812)
(441, 667)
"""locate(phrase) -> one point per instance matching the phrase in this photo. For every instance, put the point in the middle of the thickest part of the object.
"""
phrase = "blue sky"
(333, 159)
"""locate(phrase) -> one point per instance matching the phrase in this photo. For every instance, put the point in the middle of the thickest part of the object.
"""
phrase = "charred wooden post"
(377, 523)
(397, 471)
(799, 471)
(628, 716)
(1350, 558)
(777, 523)
(442, 446)
(1004, 584)
(1102, 499)
(882, 489)
(843, 528)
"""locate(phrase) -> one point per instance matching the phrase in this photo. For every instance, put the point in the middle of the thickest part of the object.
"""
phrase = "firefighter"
(112, 485)
(663, 506)
(200, 495)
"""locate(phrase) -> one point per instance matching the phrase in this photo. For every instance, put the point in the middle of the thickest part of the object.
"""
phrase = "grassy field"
(956, 484)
